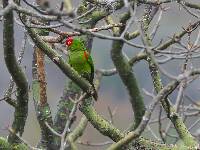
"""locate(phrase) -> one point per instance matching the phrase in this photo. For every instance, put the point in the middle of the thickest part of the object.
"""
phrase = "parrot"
(80, 60)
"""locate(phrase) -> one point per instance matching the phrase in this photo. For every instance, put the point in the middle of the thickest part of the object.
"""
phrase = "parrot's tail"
(95, 95)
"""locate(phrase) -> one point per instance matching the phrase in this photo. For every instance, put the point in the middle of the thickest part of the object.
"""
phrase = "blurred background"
(112, 92)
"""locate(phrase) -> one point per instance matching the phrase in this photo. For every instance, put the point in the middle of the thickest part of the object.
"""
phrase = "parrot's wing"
(90, 62)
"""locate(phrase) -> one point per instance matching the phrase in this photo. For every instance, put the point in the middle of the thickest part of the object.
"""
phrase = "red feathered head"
(69, 41)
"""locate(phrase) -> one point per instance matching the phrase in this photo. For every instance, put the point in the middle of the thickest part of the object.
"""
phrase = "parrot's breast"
(79, 63)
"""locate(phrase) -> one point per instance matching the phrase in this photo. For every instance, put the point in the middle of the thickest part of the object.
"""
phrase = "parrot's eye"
(69, 41)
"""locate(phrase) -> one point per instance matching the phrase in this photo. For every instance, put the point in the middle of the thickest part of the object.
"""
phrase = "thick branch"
(4, 145)
(126, 73)
(155, 74)
(136, 133)
(129, 80)
(107, 129)
(42, 108)
(17, 74)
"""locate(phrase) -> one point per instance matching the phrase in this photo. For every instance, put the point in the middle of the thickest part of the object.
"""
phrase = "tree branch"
(17, 74)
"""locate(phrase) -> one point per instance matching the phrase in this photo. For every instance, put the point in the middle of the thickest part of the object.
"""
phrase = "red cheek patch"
(69, 41)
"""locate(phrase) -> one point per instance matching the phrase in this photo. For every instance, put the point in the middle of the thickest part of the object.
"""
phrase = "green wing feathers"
(90, 77)
(84, 66)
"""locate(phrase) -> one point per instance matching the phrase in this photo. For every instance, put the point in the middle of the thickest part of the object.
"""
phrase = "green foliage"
(4, 145)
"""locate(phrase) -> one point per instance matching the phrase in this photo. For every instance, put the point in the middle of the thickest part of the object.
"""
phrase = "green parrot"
(80, 60)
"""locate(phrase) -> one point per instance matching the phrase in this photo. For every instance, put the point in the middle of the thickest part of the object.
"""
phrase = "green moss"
(19, 147)
(100, 123)
(129, 80)
(4, 145)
